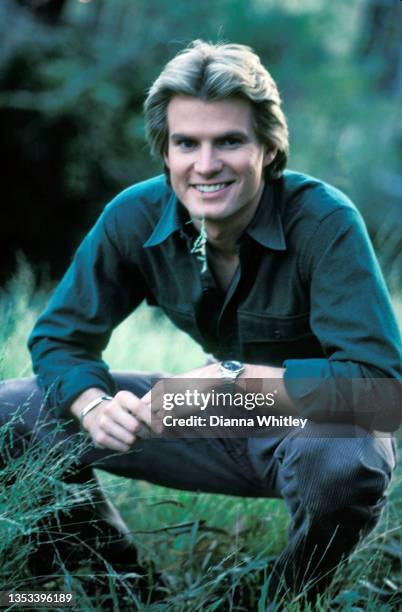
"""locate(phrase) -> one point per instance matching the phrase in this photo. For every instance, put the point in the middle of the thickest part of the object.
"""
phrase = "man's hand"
(203, 375)
(116, 424)
(254, 378)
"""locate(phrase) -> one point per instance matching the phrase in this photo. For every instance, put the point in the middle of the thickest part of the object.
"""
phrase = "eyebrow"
(230, 134)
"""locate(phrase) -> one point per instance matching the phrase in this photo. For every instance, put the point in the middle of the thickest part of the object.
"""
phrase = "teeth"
(210, 188)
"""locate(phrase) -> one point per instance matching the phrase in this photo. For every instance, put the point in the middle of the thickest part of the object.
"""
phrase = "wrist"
(83, 399)
(229, 371)
(91, 406)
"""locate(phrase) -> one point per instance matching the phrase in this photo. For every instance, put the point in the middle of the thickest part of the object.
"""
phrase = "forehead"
(189, 115)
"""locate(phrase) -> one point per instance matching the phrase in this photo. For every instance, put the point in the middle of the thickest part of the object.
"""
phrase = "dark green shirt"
(308, 295)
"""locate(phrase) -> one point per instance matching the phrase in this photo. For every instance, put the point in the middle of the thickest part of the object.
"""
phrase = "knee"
(18, 391)
(336, 474)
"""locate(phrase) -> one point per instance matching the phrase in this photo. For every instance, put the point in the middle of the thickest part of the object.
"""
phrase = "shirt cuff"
(327, 391)
(309, 385)
(64, 390)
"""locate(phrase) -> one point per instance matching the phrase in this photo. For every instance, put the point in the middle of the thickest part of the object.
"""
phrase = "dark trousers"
(333, 478)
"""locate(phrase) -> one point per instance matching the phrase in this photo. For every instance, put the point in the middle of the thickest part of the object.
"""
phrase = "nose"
(207, 161)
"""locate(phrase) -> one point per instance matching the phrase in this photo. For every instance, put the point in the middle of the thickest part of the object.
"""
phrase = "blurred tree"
(382, 41)
(74, 75)
(49, 11)
(381, 49)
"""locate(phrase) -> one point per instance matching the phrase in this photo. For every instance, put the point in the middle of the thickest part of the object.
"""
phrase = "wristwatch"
(229, 371)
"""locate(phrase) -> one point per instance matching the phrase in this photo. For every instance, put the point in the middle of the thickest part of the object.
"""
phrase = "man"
(270, 271)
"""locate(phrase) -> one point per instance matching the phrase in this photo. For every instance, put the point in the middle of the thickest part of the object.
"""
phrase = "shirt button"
(277, 333)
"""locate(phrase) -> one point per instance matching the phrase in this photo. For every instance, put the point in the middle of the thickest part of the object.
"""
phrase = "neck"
(222, 238)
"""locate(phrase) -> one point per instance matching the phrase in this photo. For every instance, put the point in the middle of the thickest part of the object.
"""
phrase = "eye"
(186, 144)
(230, 142)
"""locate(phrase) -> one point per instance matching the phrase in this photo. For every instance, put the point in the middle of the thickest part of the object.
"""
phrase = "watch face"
(232, 366)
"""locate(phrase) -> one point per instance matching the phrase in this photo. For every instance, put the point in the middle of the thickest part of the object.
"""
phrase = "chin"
(209, 210)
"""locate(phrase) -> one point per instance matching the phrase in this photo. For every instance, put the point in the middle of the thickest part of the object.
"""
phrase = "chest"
(262, 316)
(223, 269)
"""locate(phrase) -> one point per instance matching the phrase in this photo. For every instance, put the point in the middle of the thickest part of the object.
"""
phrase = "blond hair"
(215, 72)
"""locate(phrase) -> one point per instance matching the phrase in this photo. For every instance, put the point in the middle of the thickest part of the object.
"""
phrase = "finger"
(132, 405)
(121, 410)
(130, 410)
(142, 411)
(121, 433)
(147, 397)
(126, 399)
(153, 399)
(120, 416)
(155, 411)
(105, 441)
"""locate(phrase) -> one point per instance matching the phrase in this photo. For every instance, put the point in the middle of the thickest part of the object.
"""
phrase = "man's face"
(215, 160)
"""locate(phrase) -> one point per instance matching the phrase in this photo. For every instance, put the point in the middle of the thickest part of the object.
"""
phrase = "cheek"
(252, 167)
(175, 173)
(257, 168)
(178, 166)
(254, 173)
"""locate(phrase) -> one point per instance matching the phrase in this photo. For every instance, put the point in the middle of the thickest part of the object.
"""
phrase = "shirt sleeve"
(98, 291)
(360, 375)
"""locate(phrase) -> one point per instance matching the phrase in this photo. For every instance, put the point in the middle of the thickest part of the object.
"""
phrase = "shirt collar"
(167, 224)
(265, 227)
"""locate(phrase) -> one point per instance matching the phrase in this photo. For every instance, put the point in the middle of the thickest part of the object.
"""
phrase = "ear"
(269, 156)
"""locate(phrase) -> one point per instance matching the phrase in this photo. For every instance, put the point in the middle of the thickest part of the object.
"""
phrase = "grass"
(212, 549)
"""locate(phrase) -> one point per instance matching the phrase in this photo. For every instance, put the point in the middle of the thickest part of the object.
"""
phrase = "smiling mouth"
(211, 188)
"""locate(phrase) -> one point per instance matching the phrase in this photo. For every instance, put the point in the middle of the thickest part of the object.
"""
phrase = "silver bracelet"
(92, 404)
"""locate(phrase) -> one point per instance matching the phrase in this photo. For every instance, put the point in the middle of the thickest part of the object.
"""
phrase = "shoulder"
(312, 199)
(320, 219)
(133, 213)
(311, 208)
(139, 198)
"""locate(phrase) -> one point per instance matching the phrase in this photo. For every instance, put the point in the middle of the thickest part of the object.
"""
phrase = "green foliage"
(20, 306)
(71, 98)
(158, 347)
(200, 246)
(32, 492)
(213, 550)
